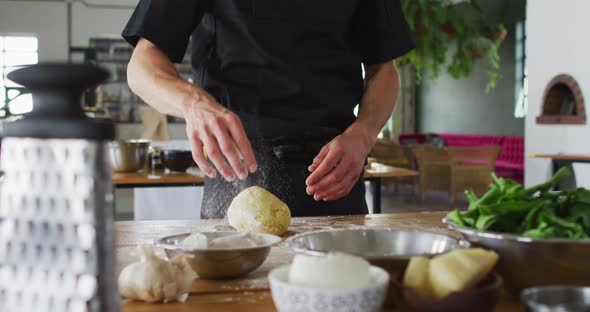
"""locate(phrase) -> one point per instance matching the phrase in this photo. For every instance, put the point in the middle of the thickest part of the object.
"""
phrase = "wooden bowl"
(482, 298)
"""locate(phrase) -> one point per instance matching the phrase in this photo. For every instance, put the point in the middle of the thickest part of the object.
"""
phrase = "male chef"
(274, 89)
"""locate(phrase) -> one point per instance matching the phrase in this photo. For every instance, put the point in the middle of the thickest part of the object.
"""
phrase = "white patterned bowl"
(292, 298)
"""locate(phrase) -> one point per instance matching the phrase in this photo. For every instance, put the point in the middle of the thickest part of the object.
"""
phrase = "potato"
(459, 270)
(417, 277)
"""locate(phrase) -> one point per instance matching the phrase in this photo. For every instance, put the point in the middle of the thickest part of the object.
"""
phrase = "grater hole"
(54, 254)
(61, 231)
(86, 155)
(39, 152)
(67, 154)
(87, 208)
(45, 178)
(68, 206)
(30, 227)
(39, 250)
(59, 180)
(69, 254)
(19, 297)
(46, 231)
(52, 205)
(51, 156)
(9, 249)
(38, 205)
(23, 250)
(17, 229)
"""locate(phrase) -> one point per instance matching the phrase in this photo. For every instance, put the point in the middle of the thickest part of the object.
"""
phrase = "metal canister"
(56, 201)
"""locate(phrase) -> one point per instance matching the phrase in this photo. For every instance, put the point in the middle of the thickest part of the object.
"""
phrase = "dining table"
(252, 292)
(560, 160)
(374, 173)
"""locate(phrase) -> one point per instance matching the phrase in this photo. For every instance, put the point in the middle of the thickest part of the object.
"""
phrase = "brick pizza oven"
(563, 102)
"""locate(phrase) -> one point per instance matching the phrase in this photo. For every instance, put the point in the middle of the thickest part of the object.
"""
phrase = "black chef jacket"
(291, 69)
(297, 62)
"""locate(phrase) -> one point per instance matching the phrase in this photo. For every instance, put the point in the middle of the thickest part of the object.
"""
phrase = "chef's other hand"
(219, 131)
(338, 166)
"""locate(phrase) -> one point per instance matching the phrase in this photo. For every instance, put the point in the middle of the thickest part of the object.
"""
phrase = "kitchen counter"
(252, 293)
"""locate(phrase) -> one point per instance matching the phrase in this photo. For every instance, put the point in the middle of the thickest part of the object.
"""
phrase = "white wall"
(558, 42)
(92, 22)
(47, 20)
(449, 105)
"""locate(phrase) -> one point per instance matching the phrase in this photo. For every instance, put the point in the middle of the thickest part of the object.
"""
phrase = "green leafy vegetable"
(535, 212)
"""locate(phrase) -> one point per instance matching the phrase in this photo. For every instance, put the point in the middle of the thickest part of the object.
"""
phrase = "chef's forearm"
(382, 86)
(153, 77)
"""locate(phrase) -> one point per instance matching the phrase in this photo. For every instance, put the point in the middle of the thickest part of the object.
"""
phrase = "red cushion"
(512, 150)
(509, 165)
(470, 139)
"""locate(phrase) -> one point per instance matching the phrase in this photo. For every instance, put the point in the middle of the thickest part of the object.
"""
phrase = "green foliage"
(535, 212)
(438, 26)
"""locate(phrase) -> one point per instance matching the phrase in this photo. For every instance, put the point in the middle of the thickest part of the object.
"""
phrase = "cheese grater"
(56, 200)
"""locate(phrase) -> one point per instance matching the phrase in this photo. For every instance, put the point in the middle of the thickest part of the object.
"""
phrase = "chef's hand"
(338, 166)
(211, 126)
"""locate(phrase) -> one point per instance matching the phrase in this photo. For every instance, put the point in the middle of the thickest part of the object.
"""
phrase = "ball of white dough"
(258, 210)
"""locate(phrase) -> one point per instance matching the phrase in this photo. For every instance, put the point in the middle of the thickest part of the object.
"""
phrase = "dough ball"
(258, 210)
(241, 240)
(336, 270)
(196, 241)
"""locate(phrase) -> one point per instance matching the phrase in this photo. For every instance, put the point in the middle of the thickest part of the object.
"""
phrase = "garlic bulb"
(153, 279)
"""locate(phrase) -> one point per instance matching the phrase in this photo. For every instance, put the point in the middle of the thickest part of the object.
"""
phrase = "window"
(15, 52)
(521, 90)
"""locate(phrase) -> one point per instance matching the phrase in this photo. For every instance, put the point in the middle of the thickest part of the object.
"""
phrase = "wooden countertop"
(251, 293)
(182, 178)
(142, 178)
(566, 157)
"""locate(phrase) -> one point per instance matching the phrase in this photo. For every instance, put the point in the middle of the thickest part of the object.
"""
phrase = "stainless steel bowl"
(128, 156)
(219, 263)
(556, 299)
(387, 248)
(526, 262)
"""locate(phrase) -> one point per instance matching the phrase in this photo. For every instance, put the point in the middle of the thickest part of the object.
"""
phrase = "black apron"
(282, 169)
(283, 150)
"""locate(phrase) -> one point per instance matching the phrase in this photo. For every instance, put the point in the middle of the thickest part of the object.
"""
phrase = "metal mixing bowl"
(526, 262)
(219, 263)
(387, 248)
(557, 299)
(128, 156)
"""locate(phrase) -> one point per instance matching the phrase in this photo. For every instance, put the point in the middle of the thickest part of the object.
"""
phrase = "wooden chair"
(471, 168)
(455, 169)
(390, 153)
(434, 166)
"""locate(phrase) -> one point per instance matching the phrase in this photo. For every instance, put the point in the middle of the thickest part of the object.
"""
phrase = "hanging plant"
(440, 25)
(498, 33)
(478, 47)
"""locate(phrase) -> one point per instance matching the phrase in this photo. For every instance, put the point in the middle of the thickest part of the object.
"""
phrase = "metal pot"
(129, 156)
(528, 262)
